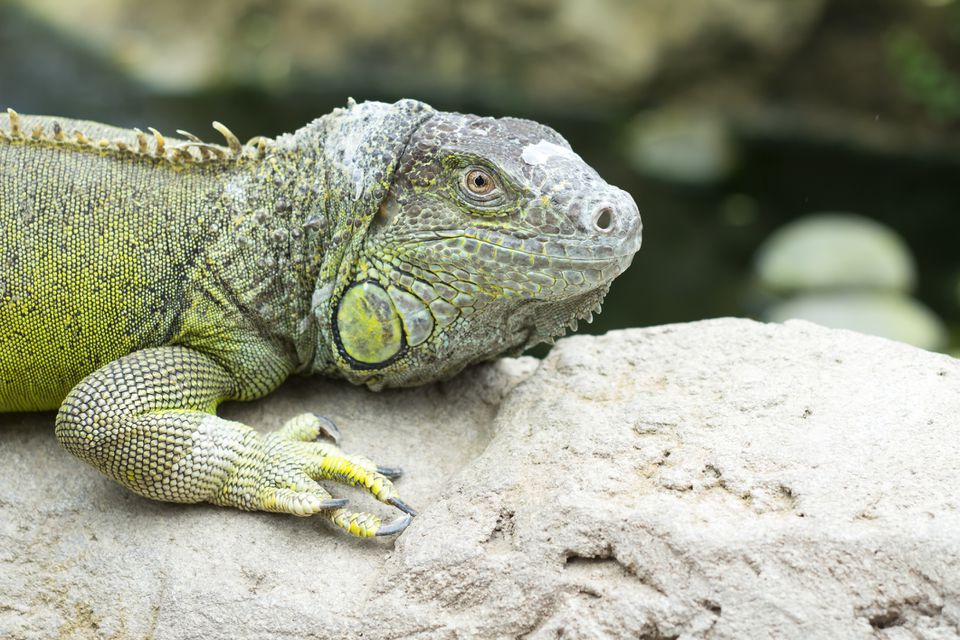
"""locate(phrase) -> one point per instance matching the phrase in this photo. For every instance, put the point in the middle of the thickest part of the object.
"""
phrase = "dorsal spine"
(189, 152)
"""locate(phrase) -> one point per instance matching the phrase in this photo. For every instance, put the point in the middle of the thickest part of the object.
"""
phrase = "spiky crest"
(191, 151)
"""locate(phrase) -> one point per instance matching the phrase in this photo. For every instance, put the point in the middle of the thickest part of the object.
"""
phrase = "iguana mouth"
(552, 257)
(572, 250)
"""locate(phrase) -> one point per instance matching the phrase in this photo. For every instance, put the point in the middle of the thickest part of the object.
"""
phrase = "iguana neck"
(338, 170)
(293, 180)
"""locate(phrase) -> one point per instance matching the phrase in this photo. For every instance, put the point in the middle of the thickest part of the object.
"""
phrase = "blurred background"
(792, 158)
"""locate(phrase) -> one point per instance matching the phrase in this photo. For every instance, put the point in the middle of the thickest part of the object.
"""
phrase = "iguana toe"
(403, 506)
(391, 472)
(334, 503)
(327, 429)
(365, 525)
(326, 462)
(299, 502)
(396, 526)
(309, 427)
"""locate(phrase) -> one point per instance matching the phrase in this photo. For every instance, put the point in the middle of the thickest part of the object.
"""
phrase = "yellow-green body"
(105, 253)
(90, 268)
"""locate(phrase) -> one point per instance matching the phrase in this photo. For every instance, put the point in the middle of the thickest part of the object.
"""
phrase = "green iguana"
(144, 280)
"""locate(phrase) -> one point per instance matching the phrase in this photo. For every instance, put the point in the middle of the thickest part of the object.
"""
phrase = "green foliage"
(924, 76)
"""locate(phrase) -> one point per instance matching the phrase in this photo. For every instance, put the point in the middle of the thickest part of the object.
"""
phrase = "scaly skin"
(144, 280)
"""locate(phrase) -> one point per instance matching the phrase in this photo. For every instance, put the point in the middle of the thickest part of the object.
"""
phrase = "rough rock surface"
(722, 479)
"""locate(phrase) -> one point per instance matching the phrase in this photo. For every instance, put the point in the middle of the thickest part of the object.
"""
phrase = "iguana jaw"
(554, 269)
(395, 330)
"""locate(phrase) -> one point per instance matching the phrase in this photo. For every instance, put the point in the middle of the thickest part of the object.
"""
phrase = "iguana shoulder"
(114, 241)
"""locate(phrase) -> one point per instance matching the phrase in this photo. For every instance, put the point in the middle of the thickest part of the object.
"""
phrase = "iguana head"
(491, 236)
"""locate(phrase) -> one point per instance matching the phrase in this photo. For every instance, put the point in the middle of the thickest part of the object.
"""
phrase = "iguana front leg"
(148, 421)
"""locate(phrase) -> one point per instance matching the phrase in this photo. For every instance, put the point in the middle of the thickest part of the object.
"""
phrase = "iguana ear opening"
(374, 326)
(362, 146)
(367, 328)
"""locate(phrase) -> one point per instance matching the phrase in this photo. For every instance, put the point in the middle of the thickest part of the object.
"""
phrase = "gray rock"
(888, 315)
(835, 250)
(722, 479)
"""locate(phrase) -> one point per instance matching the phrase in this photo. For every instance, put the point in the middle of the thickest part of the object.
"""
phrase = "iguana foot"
(148, 421)
(305, 438)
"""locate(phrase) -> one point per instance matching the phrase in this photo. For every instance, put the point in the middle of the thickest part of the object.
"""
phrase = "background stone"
(833, 251)
(721, 479)
(886, 314)
(534, 50)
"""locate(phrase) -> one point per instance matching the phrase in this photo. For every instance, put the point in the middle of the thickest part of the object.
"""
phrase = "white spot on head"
(540, 153)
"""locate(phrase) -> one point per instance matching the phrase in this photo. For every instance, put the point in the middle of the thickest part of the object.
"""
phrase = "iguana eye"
(479, 184)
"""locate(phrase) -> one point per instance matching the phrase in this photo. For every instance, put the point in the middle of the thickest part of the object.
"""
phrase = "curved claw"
(396, 526)
(334, 503)
(328, 429)
(391, 472)
(403, 506)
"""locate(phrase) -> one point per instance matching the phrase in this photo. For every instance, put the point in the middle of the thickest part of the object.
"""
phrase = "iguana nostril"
(603, 220)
